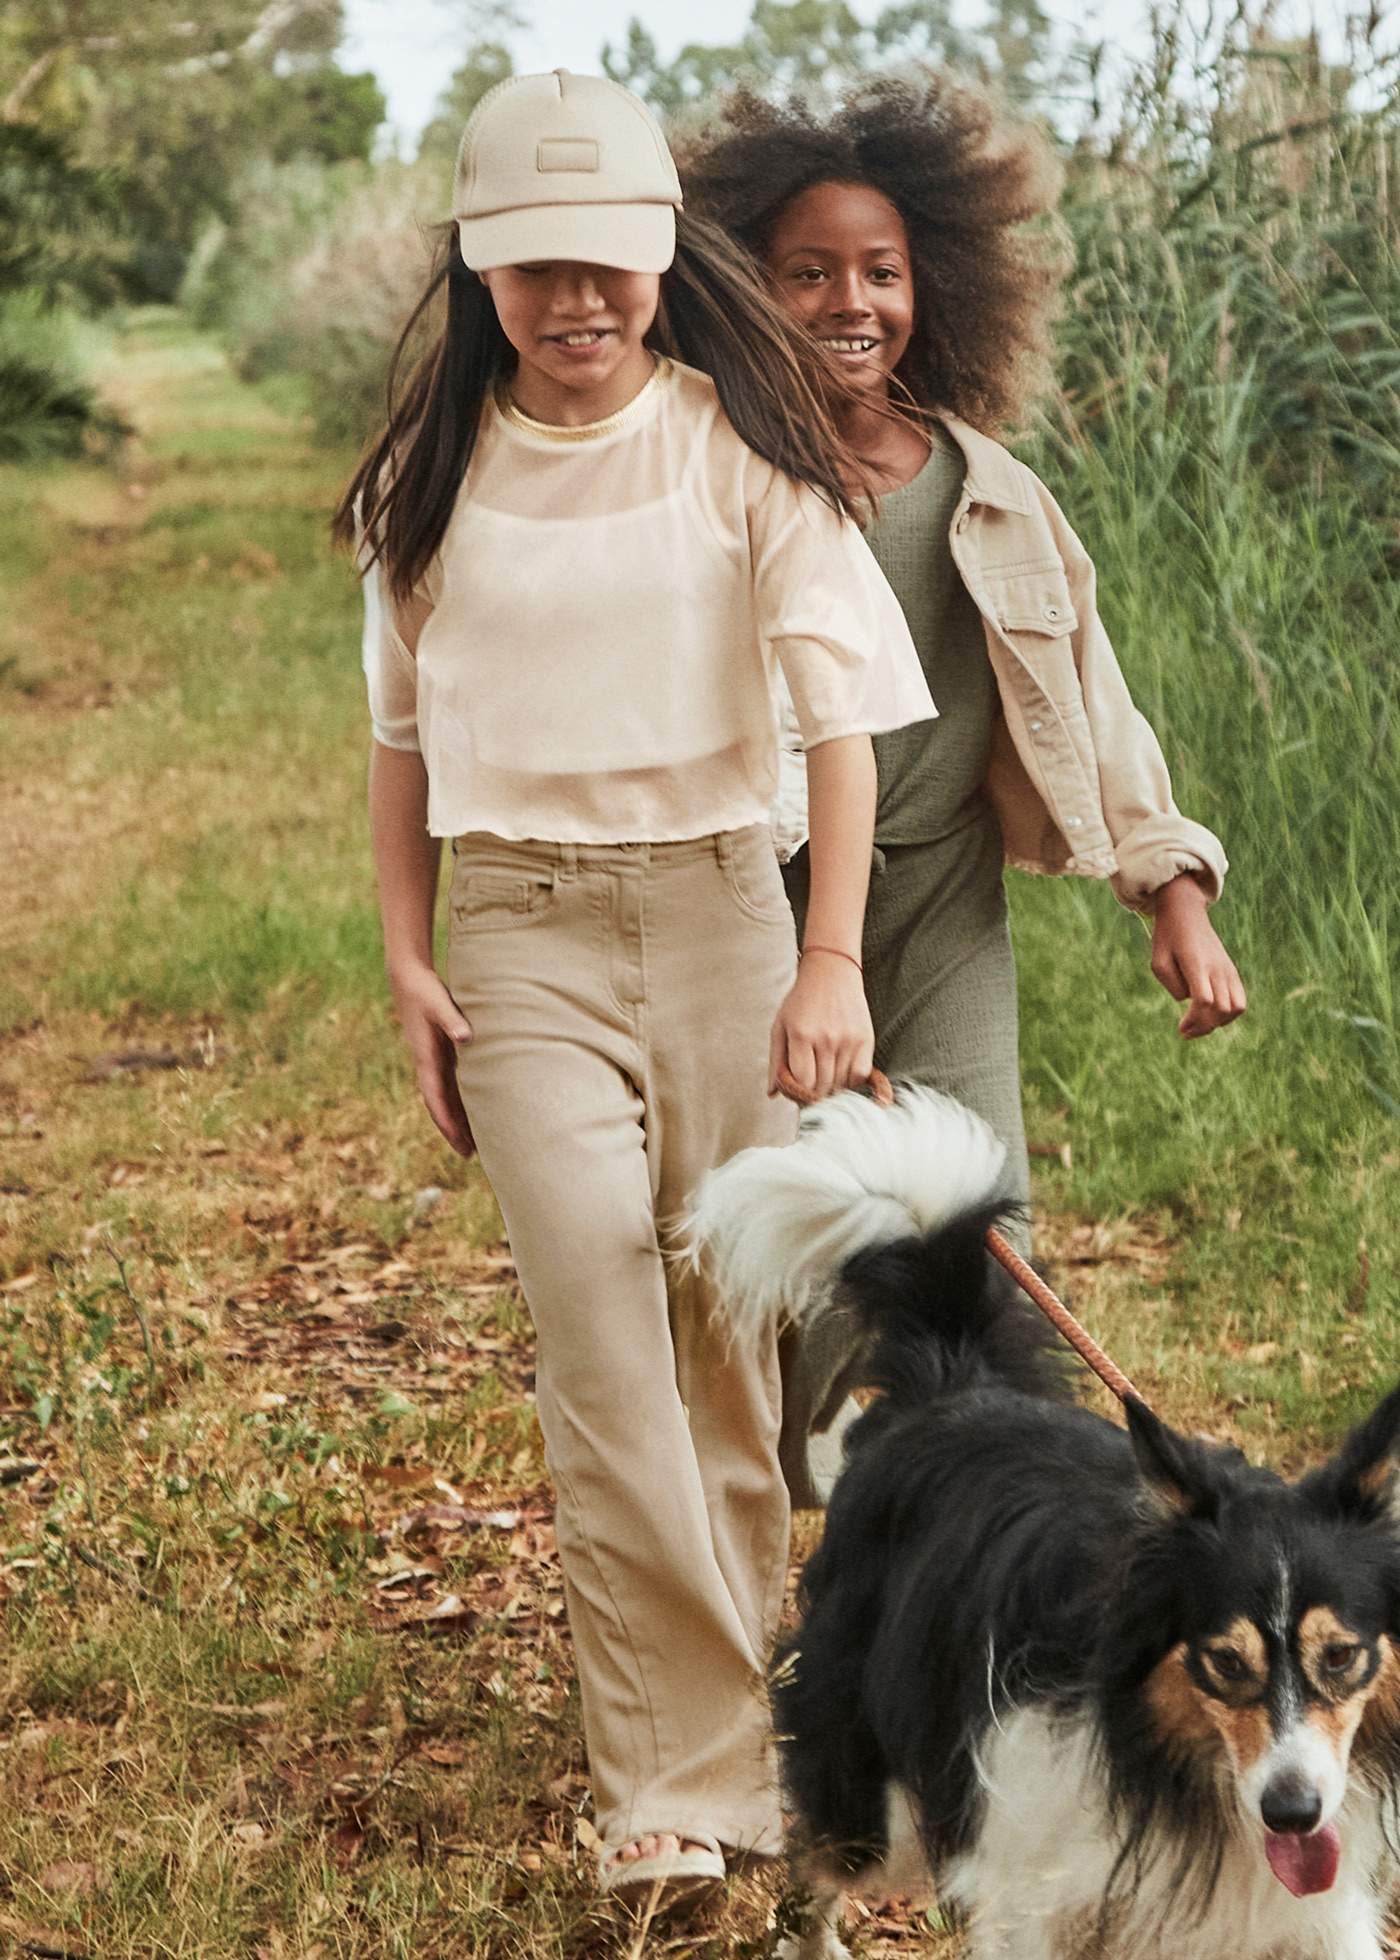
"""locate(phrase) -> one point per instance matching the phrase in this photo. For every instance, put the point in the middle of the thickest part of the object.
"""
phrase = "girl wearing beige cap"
(608, 512)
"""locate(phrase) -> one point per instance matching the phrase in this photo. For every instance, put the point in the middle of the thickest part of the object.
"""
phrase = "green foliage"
(487, 63)
(46, 407)
(60, 223)
(172, 109)
(1238, 273)
(315, 277)
(320, 113)
(815, 44)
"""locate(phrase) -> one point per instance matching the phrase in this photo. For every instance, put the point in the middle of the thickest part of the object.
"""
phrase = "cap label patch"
(568, 153)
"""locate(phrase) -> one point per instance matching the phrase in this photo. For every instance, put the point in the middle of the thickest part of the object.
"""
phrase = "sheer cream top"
(611, 622)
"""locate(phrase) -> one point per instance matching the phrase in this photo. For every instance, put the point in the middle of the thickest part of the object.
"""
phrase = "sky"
(414, 45)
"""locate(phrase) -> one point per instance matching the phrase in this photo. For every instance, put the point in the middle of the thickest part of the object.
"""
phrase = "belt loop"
(568, 862)
(724, 847)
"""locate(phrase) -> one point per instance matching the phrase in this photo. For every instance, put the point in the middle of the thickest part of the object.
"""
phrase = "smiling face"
(579, 332)
(838, 255)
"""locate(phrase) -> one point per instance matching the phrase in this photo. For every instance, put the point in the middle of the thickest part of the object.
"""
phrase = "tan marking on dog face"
(1234, 1710)
(1177, 1704)
(1380, 1714)
(1236, 1661)
(1337, 1662)
(1376, 1482)
(1336, 1659)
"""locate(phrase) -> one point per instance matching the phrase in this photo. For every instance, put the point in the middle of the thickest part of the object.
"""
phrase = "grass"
(285, 1671)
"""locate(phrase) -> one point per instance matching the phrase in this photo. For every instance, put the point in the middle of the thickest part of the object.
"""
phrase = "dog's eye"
(1340, 1656)
(1229, 1665)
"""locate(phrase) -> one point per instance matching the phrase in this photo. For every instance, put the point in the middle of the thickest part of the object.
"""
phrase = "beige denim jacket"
(1077, 777)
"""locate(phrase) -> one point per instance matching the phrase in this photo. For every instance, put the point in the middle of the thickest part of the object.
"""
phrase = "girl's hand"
(433, 1024)
(1190, 962)
(822, 1039)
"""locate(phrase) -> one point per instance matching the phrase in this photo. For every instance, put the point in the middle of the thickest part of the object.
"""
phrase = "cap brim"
(632, 237)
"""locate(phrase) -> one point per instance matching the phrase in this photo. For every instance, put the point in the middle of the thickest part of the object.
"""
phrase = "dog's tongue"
(1304, 1863)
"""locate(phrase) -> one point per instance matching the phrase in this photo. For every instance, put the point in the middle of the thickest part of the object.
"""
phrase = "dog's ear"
(1177, 1474)
(1361, 1481)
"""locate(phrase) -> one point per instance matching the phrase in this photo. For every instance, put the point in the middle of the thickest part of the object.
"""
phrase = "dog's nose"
(1290, 1803)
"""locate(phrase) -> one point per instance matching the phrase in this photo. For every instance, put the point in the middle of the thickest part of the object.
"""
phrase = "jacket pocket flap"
(1033, 602)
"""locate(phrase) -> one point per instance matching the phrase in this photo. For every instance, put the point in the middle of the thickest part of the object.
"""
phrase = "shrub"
(47, 408)
(315, 278)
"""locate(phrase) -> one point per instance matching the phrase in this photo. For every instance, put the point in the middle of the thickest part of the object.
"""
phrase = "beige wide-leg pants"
(621, 998)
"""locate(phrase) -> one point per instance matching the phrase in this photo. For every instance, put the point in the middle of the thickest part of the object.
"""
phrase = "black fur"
(990, 1545)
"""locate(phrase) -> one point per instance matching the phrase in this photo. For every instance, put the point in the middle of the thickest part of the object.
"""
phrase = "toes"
(664, 1844)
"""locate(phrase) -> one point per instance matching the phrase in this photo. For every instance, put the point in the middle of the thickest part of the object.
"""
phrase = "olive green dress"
(939, 974)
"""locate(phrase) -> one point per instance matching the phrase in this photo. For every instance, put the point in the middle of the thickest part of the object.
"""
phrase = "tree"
(817, 44)
(487, 63)
(922, 30)
(173, 99)
(60, 225)
(787, 43)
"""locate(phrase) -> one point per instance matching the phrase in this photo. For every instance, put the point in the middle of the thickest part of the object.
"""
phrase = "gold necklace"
(584, 431)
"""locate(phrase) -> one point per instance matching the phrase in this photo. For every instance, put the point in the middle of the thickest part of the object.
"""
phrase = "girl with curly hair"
(908, 228)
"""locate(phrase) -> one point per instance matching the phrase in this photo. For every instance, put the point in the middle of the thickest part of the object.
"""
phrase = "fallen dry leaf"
(451, 1613)
(400, 1476)
(76, 1877)
(131, 1061)
(455, 1517)
(411, 1576)
(246, 1711)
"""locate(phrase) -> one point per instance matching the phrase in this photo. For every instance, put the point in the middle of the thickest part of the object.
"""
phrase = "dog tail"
(889, 1208)
(774, 1226)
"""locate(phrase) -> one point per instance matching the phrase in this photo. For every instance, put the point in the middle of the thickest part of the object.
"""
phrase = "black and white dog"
(1123, 1696)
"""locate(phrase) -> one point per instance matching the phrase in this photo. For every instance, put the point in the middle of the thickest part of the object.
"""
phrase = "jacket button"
(1052, 612)
(1074, 822)
(1036, 727)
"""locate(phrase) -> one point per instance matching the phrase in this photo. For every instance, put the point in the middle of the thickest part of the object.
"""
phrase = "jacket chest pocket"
(1034, 610)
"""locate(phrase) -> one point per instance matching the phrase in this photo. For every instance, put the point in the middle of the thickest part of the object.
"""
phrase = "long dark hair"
(774, 383)
(975, 186)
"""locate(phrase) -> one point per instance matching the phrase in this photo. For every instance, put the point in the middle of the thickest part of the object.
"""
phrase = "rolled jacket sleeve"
(1152, 841)
(391, 672)
(829, 620)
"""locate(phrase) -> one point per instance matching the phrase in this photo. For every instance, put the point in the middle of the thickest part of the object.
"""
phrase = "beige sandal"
(658, 1884)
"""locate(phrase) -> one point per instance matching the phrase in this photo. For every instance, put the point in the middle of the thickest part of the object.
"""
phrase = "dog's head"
(1256, 1653)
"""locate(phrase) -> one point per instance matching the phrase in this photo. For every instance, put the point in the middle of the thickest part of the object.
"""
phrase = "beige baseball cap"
(563, 166)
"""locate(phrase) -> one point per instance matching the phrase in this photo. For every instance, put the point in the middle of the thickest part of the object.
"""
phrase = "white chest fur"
(1032, 1883)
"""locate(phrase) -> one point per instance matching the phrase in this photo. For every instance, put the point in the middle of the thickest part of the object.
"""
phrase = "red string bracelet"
(836, 952)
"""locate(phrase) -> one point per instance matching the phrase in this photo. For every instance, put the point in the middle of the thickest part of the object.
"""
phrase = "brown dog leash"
(1060, 1317)
(1025, 1275)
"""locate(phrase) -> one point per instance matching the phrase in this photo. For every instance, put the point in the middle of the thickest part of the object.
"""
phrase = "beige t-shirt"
(611, 609)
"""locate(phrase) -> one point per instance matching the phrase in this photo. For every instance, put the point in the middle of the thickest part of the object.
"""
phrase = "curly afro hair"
(968, 181)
